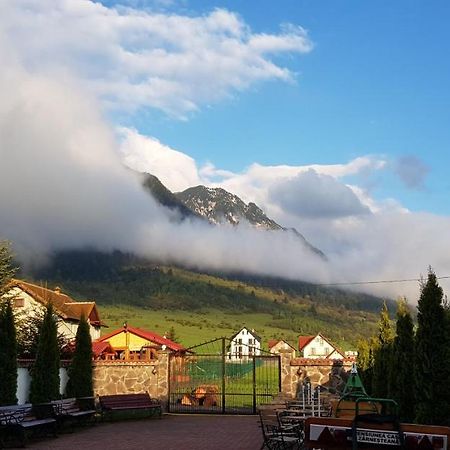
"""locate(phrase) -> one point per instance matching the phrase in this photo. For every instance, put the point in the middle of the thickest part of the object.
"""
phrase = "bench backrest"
(110, 401)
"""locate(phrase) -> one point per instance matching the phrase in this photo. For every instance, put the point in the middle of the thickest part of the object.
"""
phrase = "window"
(320, 340)
(313, 351)
(239, 341)
(19, 302)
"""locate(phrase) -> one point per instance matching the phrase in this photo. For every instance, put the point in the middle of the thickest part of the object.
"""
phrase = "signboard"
(331, 436)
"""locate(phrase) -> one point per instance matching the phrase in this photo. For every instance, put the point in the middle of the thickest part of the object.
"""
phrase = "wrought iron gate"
(208, 379)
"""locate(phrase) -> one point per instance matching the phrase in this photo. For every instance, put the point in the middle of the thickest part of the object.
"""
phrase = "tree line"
(43, 343)
(410, 362)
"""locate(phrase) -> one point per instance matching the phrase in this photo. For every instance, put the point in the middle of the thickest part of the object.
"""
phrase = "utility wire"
(355, 283)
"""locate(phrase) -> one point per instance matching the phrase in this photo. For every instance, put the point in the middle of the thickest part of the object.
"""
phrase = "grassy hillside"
(202, 306)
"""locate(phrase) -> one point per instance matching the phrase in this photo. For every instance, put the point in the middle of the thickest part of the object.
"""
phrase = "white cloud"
(314, 195)
(134, 58)
(177, 170)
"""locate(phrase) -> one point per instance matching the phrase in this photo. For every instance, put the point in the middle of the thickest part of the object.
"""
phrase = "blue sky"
(332, 116)
(376, 82)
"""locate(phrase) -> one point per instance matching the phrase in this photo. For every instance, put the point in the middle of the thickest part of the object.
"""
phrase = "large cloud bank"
(134, 58)
(62, 179)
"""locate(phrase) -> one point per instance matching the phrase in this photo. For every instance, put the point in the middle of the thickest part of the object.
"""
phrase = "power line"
(355, 283)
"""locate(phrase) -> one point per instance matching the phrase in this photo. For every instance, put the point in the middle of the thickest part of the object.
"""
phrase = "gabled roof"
(99, 347)
(144, 334)
(252, 332)
(64, 306)
(273, 342)
(303, 341)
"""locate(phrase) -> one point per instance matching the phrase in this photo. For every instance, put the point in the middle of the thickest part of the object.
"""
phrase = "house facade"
(30, 299)
(243, 344)
(318, 347)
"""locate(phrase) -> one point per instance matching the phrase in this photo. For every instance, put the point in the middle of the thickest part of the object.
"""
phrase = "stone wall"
(127, 377)
(331, 374)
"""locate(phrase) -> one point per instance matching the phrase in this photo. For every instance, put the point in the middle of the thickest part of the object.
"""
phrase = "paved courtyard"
(172, 432)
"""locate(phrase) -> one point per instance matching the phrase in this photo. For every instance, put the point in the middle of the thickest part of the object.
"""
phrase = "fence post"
(254, 383)
(223, 375)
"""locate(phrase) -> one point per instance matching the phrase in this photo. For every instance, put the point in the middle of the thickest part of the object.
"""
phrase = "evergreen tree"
(45, 381)
(432, 355)
(7, 270)
(366, 350)
(383, 355)
(8, 341)
(80, 370)
(402, 378)
(8, 355)
(172, 334)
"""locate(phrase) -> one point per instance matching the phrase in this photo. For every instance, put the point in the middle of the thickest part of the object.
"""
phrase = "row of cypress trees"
(45, 380)
(411, 364)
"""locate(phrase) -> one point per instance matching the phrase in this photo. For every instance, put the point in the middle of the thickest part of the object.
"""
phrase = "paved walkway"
(172, 432)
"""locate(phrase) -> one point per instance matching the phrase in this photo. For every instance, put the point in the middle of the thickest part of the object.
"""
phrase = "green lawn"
(191, 328)
(195, 327)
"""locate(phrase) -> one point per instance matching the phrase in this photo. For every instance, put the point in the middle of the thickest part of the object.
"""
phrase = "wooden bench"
(111, 404)
(17, 421)
(74, 410)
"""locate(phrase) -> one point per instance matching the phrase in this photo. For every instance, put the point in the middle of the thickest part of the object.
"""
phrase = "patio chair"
(275, 438)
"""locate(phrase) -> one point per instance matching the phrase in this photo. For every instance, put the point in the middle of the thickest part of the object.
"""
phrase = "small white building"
(29, 299)
(243, 344)
(317, 347)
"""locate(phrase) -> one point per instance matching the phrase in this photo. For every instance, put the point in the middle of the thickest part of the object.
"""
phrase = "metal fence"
(207, 379)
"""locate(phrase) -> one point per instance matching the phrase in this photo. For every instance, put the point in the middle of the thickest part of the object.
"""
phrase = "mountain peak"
(220, 206)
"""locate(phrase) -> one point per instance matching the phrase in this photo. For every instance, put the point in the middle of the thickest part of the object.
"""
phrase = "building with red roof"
(318, 346)
(134, 343)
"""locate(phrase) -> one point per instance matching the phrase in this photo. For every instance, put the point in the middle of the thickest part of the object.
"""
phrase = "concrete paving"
(172, 432)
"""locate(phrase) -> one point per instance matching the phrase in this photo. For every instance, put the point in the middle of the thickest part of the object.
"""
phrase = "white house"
(29, 299)
(318, 346)
(243, 344)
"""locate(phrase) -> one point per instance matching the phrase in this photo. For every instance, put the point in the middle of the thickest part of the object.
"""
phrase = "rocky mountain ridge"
(219, 207)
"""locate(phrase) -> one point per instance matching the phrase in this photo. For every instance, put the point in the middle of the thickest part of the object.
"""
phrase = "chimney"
(58, 290)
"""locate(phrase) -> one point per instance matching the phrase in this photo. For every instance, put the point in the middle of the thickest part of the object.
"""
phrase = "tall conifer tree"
(8, 341)
(402, 387)
(8, 355)
(80, 371)
(383, 355)
(432, 355)
(45, 381)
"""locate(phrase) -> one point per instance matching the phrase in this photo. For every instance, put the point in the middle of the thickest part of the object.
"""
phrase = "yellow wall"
(134, 342)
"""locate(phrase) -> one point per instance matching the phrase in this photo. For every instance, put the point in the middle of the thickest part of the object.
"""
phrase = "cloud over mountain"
(63, 185)
(313, 195)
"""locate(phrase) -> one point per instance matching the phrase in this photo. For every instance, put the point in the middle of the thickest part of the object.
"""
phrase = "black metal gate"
(208, 379)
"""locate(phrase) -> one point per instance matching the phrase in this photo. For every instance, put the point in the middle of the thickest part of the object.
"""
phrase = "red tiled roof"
(273, 342)
(147, 335)
(303, 341)
(99, 347)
